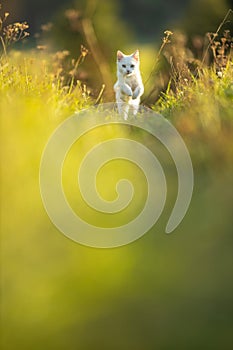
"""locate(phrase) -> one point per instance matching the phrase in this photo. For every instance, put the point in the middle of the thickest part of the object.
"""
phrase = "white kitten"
(129, 86)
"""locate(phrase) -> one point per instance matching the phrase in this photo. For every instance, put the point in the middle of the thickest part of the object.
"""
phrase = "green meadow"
(163, 291)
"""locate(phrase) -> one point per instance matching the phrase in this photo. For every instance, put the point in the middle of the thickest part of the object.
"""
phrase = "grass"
(201, 109)
(60, 295)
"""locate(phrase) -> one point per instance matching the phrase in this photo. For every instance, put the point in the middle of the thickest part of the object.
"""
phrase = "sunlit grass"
(201, 109)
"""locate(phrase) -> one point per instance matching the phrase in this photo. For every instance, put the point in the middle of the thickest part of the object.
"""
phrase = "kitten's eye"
(132, 66)
(123, 65)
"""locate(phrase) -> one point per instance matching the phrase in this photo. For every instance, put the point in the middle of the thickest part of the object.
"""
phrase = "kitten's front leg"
(126, 89)
(137, 92)
(123, 109)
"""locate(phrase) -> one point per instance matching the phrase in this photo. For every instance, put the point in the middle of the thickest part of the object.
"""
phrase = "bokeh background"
(163, 291)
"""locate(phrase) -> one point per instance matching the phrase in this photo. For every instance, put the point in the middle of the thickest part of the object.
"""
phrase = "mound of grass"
(61, 295)
(201, 109)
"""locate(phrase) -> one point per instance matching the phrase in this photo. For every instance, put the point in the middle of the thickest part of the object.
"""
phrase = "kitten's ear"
(135, 55)
(120, 55)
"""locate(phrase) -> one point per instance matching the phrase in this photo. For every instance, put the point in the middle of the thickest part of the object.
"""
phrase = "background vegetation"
(162, 291)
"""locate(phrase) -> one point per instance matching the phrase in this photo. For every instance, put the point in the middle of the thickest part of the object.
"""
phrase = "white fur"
(129, 87)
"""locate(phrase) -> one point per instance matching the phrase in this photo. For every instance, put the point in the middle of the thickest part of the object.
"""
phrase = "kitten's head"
(127, 64)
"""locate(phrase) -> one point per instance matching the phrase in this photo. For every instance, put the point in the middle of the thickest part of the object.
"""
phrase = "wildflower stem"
(101, 62)
(3, 45)
(214, 36)
(164, 43)
(100, 94)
